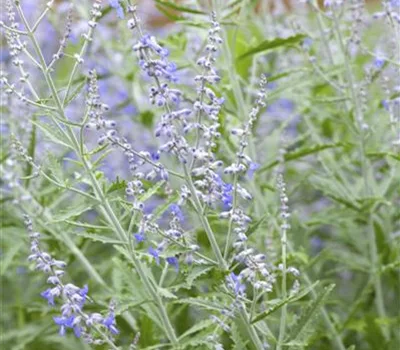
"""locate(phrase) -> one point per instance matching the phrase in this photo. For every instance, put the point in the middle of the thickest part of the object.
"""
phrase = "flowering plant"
(230, 182)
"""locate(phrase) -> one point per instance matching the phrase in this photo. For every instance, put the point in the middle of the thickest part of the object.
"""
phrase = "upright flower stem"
(284, 227)
(282, 326)
(379, 300)
(206, 225)
(230, 225)
(105, 205)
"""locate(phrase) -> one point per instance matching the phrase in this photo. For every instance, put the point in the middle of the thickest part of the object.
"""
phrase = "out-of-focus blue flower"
(109, 322)
(117, 6)
(227, 196)
(307, 43)
(155, 156)
(139, 237)
(238, 287)
(317, 244)
(83, 293)
(64, 322)
(252, 169)
(175, 210)
(21, 270)
(281, 105)
(394, 3)
(379, 62)
(173, 261)
(154, 253)
(47, 294)
(385, 104)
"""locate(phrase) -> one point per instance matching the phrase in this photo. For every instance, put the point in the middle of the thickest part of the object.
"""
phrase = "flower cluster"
(285, 226)
(134, 189)
(12, 35)
(65, 38)
(93, 327)
(256, 271)
(118, 8)
(204, 167)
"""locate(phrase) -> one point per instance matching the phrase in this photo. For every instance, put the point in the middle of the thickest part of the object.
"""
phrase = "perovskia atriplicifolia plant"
(226, 180)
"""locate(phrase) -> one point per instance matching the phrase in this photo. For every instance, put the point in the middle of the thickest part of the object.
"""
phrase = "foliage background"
(342, 174)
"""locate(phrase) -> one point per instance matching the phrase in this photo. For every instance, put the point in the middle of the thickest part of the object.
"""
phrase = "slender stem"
(206, 225)
(251, 329)
(27, 100)
(16, 31)
(282, 326)
(163, 275)
(320, 24)
(230, 226)
(105, 206)
(40, 18)
(328, 322)
(379, 300)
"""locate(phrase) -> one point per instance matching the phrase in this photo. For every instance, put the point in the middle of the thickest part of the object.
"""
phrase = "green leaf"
(334, 189)
(179, 8)
(196, 328)
(70, 212)
(55, 168)
(99, 238)
(169, 14)
(269, 45)
(301, 153)
(165, 293)
(117, 185)
(78, 88)
(279, 304)
(195, 273)
(238, 342)
(147, 118)
(86, 225)
(52, 133)
(9, 254)
(256, 225)
(151, 191)
(31, 149)
(302, 326)
(195, 341)
(202, 303)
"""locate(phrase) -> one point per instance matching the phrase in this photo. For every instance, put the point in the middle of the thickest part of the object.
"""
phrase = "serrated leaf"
(179, 8)
(196, 340)
(201, 302)
(165, 293)
(78, 88)
(8, 256)
(86, 225)
(238, 342)
(55, 168)
(196, 273)
(52, 133)
(151, 191)
(279, 304)
(334, 190)
(298, 154)
(196, 328)
(256, 225)
(117, 185)
(71, 212)
(300, 330)
(272, 44)
(99, 238)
